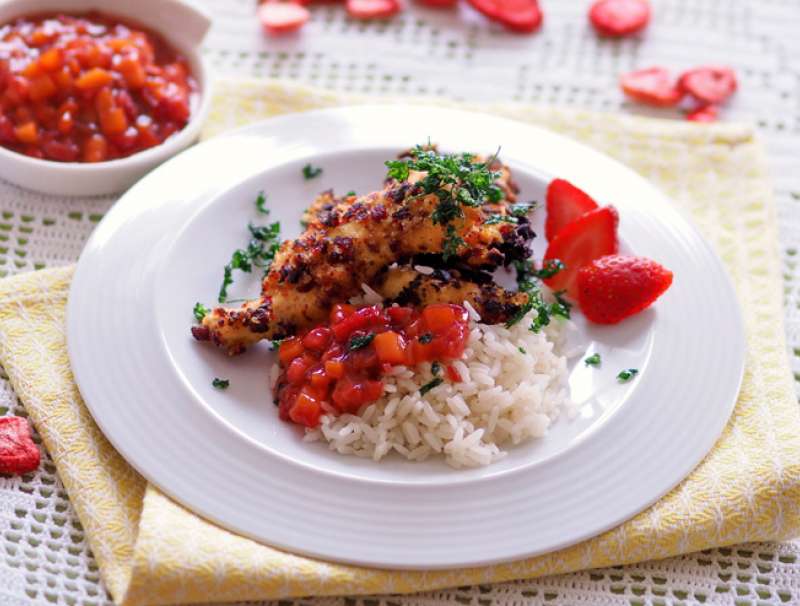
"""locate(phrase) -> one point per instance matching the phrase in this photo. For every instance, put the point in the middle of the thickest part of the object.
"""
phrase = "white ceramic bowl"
(183, 27)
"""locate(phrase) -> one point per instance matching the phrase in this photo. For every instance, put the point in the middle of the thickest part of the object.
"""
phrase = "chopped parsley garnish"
(220, 383)
(426, 338)
(350, 193)
(626, 375)
(521, 209)
(260, 251)
(261, 201)
(430, 385)
(360, 341)
(521, 350)
(200, 311)
(495, 219)
(593, 360)
(456, 180)
(436, 368)
(528, 281)
(275, 344)
(550, 267)
(310, 171)
(452, 242)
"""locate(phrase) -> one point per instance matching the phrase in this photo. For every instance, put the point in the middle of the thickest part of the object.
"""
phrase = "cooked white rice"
(514, 386)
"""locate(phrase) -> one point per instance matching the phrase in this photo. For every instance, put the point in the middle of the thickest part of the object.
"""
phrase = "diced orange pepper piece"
(50, 60)
(390, 347)
(94, 78)
(95, 149)
(113, 121)
(133, 72)
(438, 316)
(104, 100)
(334, 369)
(289, 349)
(41, 88)
(27, 133)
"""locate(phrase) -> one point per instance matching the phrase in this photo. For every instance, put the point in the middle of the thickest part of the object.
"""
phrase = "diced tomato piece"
(279, 17)
(372, 390)
(289, 349)
(565, 203)
(356, 321)
(7, 134)
(439, 316)
(453, 374)
(318, 338)
(296, 371)
(64, 80)
(305, 411)
(334, 369)
(439, 3)
(390, 347)
(61, 151)
(340, 311)
(94, 79)
(27, 133)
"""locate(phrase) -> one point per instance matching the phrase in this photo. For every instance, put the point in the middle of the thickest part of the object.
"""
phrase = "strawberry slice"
(652, 85)
(372, 9)
(709, 113)
(18, 452)
(615, 287)
(590, 236)
(282, 17)
(619, 17)
(522, 16)
(565, 203)
(710, 84)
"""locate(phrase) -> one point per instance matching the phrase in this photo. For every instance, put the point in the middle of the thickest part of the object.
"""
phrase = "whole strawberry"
(614, 287)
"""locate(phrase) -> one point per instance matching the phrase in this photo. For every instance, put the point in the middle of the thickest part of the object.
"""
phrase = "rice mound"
(514, 385)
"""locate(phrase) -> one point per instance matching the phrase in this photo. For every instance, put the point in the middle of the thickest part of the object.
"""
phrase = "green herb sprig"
(430, 385)
(626, 375)
(221, 383)
(310, 171)
(360, 341)
(593, 360)
(456, 180)
(265, 240)
(200, 311)
(528, 281)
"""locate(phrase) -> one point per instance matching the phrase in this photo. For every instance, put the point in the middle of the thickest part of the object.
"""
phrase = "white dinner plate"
(227, 456)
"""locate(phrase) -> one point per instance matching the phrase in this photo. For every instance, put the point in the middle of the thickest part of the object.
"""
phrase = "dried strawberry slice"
(372, 9)
(709, 84)
(619, 17)
(709, 113)
(282, 17)
(652, 85)
(522, 16)
(18, 452)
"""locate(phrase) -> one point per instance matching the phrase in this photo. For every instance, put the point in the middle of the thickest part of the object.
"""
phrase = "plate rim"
(265, 124)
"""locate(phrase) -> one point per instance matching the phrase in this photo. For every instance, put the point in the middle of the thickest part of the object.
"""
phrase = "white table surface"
(44, 557)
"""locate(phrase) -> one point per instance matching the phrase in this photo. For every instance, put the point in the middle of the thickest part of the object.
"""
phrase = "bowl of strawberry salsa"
(91, 100)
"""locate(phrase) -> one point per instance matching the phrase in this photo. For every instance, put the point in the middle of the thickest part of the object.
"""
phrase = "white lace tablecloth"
(44, 558)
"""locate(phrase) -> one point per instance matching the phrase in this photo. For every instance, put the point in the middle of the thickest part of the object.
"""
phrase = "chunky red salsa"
(338, 366)
(88, 88)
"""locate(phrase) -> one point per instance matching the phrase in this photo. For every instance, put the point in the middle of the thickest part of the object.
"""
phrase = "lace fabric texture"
(43, 553)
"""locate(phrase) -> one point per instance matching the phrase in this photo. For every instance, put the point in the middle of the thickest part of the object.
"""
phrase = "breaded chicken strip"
(348, 242)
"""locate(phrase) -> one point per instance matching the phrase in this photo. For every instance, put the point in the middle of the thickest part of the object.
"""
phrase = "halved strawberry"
(615, 287)
(590, 236)
(709, 113)
(565, 203)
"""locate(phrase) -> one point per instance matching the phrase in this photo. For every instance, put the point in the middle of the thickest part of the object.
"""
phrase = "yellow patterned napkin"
(153, 551)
